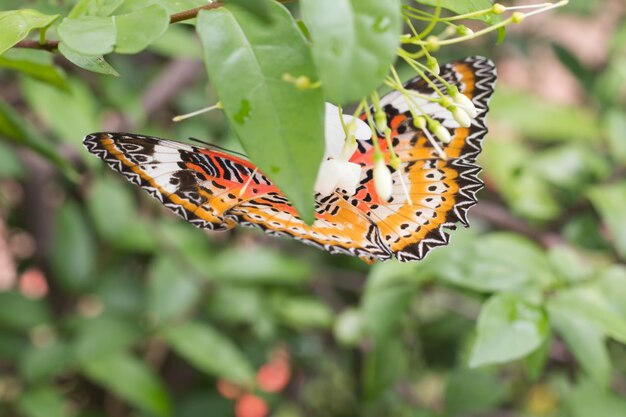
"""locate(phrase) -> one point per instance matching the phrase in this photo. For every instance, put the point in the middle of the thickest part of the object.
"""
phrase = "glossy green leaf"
(584, 339)
(509, 327)
(280, 126)
(137, 30)
(17, 24)
(19, 313)
(89, 35)
(93, 63)
(354, 44)
(471, 391)
(131, 380)
(171, 291)
(494, 262)
(609, 201)
(73, 251)
(42, 402)
(209, 350)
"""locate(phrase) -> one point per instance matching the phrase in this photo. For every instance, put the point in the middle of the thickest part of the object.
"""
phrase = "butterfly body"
(216, 190)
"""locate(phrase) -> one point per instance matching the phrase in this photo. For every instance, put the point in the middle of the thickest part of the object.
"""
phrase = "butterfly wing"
(429, 193)
(216, 190)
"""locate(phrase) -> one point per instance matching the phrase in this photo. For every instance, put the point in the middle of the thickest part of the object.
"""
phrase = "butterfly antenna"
(211, 145)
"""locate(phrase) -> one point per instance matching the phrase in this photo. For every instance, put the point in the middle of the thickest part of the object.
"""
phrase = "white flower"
(335, 170)
(382, 179)
(334, 134)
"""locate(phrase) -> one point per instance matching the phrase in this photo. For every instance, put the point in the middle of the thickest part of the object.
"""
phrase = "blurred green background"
(111, 306)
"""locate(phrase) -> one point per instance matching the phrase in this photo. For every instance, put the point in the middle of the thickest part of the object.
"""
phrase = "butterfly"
(216, 190)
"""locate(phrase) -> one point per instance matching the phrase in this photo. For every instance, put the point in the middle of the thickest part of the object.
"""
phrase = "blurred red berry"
(250, 405)
(274, 376)
(32, 283)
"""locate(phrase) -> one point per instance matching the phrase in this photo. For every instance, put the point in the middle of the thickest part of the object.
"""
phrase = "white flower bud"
(382, 179)
(468, 105)
(440, 131)
(461, 116)
(335, 173)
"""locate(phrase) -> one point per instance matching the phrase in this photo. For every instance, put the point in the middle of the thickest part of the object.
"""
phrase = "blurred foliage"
(119, 309)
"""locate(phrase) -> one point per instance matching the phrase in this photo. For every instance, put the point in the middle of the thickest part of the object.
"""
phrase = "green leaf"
(616, 134)
(114, 213)
(35, 64)
(14, 128)
(73, 251)
(585, 340)
(541, 120)
(495, 262)
(37, 364)
(609, 201)
(89, 35)
(383, 309)
(588, 399)
(592, 302)
(260, 9)
(11, 166)
(280, 126)
(20, 314)
(170, 293)
(209, 351)
(91, 63)
(102, 336)
(137, 30)
(42, 402)
(17, 24)
(471, 391)
(466, 6)
(262, 266)
(509, 327)
(56, 107)
(175, 36)
(131, 380)
(354, 44)
(568, 263)
(302, 313)
(100, 8)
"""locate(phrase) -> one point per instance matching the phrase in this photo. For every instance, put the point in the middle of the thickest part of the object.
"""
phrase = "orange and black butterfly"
(216, 190)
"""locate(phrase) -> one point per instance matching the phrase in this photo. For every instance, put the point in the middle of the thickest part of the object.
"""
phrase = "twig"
(191, 13)
(51, 46)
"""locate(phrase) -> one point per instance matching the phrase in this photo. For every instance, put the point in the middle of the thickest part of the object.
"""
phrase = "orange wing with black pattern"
(430, 193)
(216, 190)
